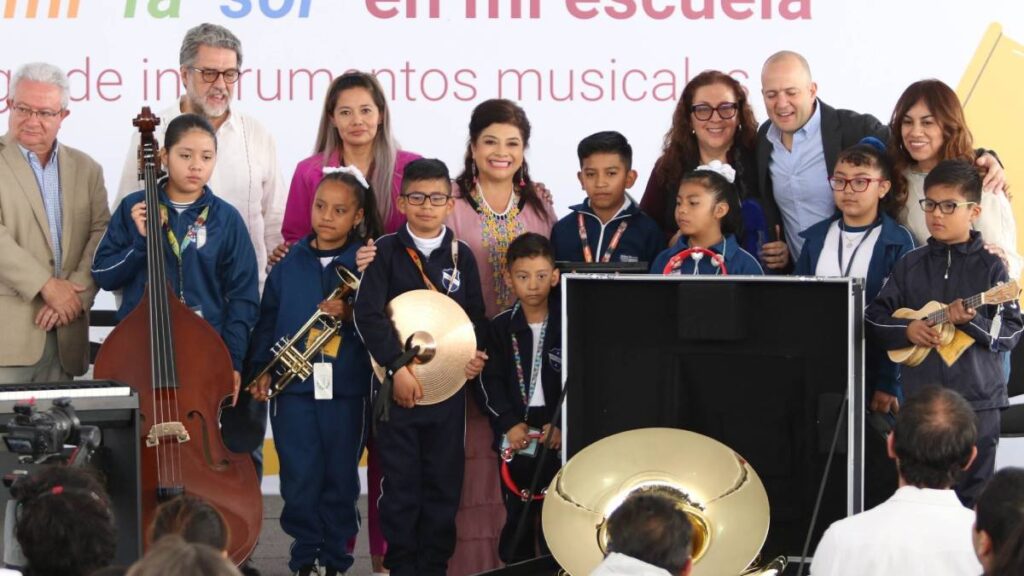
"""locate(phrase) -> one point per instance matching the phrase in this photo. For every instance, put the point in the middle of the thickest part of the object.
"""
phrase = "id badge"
(323, 381)
(531, 448)
(200, 237)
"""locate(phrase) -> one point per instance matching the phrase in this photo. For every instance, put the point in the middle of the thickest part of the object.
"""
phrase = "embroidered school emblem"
(451, 279)
(555, 359)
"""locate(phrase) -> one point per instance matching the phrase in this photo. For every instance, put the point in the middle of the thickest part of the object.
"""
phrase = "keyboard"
(74, 389)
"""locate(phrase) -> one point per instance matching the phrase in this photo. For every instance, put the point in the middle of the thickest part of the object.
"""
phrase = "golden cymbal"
(446, 338)
(715, 486)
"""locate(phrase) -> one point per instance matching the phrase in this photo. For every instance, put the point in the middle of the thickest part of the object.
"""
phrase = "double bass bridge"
(166, 431)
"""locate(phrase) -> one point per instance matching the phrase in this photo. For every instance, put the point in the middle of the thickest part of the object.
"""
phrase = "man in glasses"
(54, 210)
(246, 175)
(797, 149)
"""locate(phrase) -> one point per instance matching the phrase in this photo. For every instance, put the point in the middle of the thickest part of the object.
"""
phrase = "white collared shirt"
(616, 564)
(917, 531)
(246, 176)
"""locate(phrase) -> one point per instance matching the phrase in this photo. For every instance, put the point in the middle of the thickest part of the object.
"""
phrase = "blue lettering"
(245, 6)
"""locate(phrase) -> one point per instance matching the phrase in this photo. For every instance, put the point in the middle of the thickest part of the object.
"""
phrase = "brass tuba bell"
(716, 488)
(289, 362)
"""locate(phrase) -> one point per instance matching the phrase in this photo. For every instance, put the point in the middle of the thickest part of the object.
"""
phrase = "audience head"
(342, 206)
(354, 115)
(707, 201)
(933, 438)
(426, 198)
(530, 268)
(210, 59)
(788, 90)
(862, 182)
(999, 524)
(171, 556)
(191, 518)
(606, 161)
(650, 527)
(38, 105)
(65, 526)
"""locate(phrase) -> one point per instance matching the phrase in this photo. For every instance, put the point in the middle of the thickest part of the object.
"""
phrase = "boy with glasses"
(420, 446)
(953, 265)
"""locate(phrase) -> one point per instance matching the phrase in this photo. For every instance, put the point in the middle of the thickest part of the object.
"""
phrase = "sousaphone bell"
(716, 488)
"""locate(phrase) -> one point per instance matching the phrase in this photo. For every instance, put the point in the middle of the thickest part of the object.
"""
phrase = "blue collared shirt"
(800, 180)
(48, 179)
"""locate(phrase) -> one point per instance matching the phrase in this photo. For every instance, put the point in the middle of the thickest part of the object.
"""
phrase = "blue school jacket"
(893, 242)
(294, 288)
(641, 241)
(738, 262)
(218, 273)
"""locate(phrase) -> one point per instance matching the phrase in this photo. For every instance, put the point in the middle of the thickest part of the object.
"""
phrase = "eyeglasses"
(419, 198)
(26, 112)
(856, 184)
(946, 206)
(725, 110)
(210, 75)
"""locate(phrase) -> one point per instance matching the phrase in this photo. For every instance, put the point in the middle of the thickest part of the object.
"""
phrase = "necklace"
(497, 232)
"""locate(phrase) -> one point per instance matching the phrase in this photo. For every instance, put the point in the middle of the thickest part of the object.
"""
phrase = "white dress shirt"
(616, 564)
(917, 531)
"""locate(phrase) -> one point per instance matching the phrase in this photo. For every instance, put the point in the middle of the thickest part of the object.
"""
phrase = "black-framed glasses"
(946, 206)
(725, 110)
(419, 198)
(855, 184)
(210, 75)
(23, 111)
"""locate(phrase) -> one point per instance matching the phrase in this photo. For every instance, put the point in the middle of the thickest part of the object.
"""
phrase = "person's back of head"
(999, 525)
(65, 526)
(191, 518)
(172, 556)
(933, 438)
(650, 527)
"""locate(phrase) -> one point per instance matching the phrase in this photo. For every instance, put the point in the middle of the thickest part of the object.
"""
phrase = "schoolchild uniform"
(738, 261)
(944, 272)
(421, 448)
(512, 394)
(630, 236)
(319, 428)
(210, 261)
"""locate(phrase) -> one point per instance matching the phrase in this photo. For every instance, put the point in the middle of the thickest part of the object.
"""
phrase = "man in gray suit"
(53, 211)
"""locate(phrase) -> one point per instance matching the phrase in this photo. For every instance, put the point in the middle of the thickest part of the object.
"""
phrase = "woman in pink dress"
(496, 201)
(355, 130)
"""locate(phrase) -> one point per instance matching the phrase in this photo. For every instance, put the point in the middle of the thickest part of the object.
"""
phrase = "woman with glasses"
(496, 201)
(928, 126)
(712, 121)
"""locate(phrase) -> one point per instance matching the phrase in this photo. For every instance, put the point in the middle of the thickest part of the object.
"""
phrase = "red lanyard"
(588, 256)
(419, 264)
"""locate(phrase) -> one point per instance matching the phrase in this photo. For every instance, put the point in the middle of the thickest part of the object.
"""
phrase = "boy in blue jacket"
(954, 265)
(211, 264)
(522, 384)
(608, 226)
(420, 446)
(319, 426)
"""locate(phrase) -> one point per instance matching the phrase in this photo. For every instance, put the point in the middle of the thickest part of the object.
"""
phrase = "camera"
(37, 434)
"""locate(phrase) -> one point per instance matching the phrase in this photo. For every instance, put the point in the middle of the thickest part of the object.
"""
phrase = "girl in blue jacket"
(211, 264)
(709, 217)
(318, 423)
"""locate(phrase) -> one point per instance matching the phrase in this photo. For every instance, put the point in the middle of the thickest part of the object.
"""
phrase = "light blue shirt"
(48, 179)
(800, 180)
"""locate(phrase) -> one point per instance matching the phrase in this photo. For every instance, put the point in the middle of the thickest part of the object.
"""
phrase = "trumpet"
(289, 362)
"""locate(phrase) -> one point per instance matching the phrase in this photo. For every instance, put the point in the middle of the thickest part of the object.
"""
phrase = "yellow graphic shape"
(992, 93)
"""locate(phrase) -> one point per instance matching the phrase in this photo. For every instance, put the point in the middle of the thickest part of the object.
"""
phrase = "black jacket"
(498, 388)
(393, 272)
(840, 129)
(944, 273)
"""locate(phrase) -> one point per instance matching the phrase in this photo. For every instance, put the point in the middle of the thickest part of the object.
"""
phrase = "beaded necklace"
(497, 232)
(527, 394)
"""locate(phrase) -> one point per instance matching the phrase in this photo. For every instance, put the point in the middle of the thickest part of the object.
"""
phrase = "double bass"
(182, 372)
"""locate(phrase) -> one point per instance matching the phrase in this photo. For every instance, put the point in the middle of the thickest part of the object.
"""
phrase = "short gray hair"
(207, 34)
(45, 73)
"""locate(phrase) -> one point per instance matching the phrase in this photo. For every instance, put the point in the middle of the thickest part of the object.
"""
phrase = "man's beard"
(201, 107)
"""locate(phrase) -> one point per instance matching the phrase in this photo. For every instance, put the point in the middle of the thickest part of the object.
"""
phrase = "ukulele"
(953, 342)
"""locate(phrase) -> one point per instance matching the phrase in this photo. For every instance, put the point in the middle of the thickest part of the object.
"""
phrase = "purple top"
(309, 172)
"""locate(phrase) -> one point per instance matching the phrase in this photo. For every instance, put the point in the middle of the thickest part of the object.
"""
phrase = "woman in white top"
(928, 127)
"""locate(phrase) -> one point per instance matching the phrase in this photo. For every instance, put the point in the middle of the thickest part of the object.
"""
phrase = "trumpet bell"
(718, 489)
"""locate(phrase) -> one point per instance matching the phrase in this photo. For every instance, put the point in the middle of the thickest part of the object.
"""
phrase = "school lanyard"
(190, 236)
(527, 393)
(419, 264)
(849, 265)
(588, 256)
